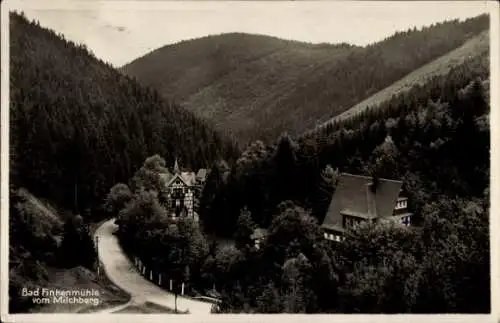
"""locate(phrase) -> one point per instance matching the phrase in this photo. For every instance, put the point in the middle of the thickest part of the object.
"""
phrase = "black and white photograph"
(238, 157)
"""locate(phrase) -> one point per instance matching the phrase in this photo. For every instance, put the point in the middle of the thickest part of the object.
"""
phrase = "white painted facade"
(180, 196)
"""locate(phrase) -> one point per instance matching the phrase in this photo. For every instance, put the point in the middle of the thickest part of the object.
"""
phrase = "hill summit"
(257, 87)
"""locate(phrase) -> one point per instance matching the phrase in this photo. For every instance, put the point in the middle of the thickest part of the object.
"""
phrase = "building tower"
(176, 167)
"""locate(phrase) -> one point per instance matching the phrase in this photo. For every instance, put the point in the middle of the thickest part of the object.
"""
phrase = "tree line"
(364, 71)
(424, 137)
(435, 138)
(439, 265)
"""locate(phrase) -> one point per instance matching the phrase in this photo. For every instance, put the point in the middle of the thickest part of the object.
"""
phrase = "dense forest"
(435, 137)
(258, 87)
(87, 137)
(440, 66)
(424, 136)
(77, 125)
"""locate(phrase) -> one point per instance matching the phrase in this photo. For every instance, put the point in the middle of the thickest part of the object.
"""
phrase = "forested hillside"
(427, 134)
(89, 138)
(436, 138)
(440, 66)
(77, 125)
(440, 264)
(258, 87)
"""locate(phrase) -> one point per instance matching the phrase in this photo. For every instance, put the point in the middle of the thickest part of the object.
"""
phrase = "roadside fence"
(159, 279)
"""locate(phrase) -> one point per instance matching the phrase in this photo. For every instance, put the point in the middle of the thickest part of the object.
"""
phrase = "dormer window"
(351, 221)
(401, 204)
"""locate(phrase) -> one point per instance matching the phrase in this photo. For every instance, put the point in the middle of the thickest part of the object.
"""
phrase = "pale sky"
(120, 31)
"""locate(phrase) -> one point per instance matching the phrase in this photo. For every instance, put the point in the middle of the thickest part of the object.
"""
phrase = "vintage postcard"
(225, 160)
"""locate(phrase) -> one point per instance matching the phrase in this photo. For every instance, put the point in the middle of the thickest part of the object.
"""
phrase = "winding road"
(122, 272)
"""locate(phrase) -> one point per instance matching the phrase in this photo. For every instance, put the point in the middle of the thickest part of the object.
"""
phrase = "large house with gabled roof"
(362, 198)
(182, 188)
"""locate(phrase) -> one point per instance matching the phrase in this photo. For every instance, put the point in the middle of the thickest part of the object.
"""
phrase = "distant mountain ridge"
(474, 47)
(224, 53)
(257, 87)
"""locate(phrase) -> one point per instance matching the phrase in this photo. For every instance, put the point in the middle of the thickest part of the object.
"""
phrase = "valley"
(260, 174)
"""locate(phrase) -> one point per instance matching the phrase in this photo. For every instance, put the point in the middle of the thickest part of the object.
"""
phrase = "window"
(405, 220)
(177, 193)
(348, 221)
(330, 236)
(351, 221)
(401, 204)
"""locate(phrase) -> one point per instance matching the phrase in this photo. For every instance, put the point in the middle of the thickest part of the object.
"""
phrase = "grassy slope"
(48, 221)
(81, 278)
(257, 87)
(440, 66)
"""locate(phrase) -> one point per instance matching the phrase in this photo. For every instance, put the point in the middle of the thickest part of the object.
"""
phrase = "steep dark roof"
(165, 177)
(173, 178)
(189, 178)
(354, 196)
(202, 174)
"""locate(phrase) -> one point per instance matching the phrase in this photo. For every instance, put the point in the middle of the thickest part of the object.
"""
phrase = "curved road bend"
(122, 272)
